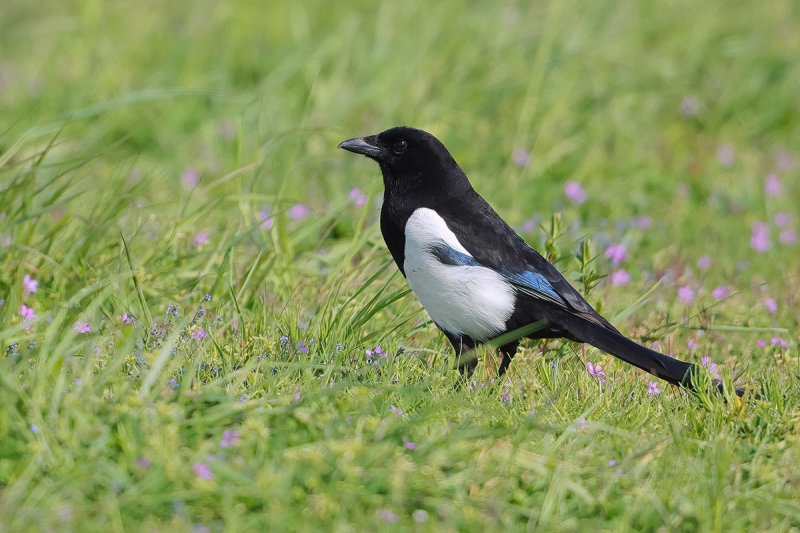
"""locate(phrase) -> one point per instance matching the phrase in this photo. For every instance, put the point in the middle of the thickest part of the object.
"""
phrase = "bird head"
(411, 160)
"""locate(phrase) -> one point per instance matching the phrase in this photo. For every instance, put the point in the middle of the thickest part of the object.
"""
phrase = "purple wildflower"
(389, 516)
(26, 313)
(689, 107)
(200, 239)
(266, 219)
(720, 293)
(692, 344)
(127, 318)
(297, 396)
(411, 446)
(575, 192)
(521, 157)
(686, 294)
(529, 225)
(617, 253)
(788, 236)
(643, 222)
(726, 155)
(198, 334)
(582, 424)
(357, 197)
(781, 219)
(34, 429)
(779, 341)
(303, 347)
(298, 211)
(81, 327)
(620, 277)
(761, 343)
(143, 462)
(703, 263)
(759, 238)
(773, 185)
(203, 471)
(652, 388)
(771, 305)
(229, 438)
(596, 371)
(190, 178)
(29, 285)
(712, 367)
(612, 462)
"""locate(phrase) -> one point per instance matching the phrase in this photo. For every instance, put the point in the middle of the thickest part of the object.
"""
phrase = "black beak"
(363, 145)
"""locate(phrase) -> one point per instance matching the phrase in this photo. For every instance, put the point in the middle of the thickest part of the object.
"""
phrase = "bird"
(474, 275)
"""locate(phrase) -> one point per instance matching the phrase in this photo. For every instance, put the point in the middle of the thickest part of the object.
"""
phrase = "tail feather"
(662, 366)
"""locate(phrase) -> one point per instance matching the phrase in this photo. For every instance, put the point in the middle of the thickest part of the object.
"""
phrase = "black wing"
(493, 244)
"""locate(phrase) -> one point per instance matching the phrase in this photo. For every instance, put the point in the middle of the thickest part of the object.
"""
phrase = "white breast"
(466, 300)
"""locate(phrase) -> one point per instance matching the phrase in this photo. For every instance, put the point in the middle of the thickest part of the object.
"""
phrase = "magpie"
(473, 274)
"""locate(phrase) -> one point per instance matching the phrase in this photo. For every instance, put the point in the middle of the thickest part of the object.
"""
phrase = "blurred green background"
(152, 153)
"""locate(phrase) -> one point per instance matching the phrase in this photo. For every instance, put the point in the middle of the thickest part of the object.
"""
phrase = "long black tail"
(662, 366)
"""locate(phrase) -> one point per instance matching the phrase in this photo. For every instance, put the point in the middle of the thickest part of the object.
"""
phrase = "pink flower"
(29, 285)
(617, 253)
(761, 342)
(712, 367)
(26, 313)
(575, 192)
(81, 327)
(652, 388)
(298, 211)
(759, 238)
(596, 371)
(297, 396)
(190, 178)
(773, 185)
(686, 294)
(203, 471)
(720, 293)
(771, 305)
(127, 318)
(788, 236)
(358, 198)
(689, 106)
(704, 262)
(200, 239)
(725, 155)
(229, 438)
(198, 334)
(781, 219)
(620, 277)
(377, 351)
(266, 219)
(643, 222)
(779, 341)
(521, 158)
(692, 344)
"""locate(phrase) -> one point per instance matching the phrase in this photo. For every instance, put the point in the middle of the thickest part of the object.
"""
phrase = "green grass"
(103, 107)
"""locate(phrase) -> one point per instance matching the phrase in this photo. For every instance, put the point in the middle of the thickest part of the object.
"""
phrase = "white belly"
(462, 299)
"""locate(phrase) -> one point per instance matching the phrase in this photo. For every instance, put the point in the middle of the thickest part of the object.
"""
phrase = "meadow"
(201, 328)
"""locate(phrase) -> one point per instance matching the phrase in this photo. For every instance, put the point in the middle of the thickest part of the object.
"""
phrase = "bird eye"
(399, 147)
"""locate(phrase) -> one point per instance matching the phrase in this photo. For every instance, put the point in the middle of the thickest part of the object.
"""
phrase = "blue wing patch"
(449, 256)
(530, 283)
(534, 281)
